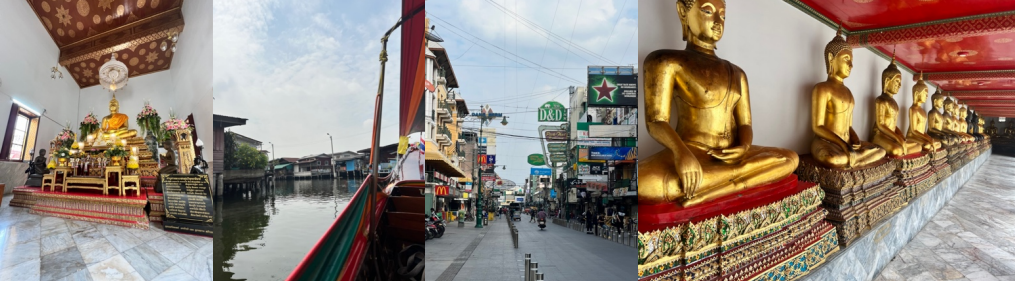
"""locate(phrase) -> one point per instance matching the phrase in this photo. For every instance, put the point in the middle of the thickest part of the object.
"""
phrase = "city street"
(468, 253)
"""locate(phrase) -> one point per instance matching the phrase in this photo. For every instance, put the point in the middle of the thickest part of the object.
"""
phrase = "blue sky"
(497, 47)
(300, 69)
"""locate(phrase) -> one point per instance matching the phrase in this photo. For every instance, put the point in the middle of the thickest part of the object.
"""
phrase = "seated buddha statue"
(952, 122)
(116, 123)
(991, 130)
(835, 143)
(710, 152)
(918, 119)
(937, 121)
(887, 134)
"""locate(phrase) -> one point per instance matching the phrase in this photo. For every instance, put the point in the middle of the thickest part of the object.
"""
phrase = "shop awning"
(282, 166)
(440, 163)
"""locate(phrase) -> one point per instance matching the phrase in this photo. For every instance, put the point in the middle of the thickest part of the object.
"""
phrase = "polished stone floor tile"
(971, 238)
(60, 264)
(34, 247)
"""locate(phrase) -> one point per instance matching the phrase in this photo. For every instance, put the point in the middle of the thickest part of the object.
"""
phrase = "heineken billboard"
(612, 86)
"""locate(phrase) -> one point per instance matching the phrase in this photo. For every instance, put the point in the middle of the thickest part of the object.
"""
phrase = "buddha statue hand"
(728, 155)
(688, 172)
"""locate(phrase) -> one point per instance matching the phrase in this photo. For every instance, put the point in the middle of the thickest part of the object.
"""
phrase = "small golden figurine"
(887, 134)
(835, 143)
(710, 152)
(918, 119)
(116, 124)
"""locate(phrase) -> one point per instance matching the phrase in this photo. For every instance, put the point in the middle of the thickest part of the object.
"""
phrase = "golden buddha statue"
(918, 119)
(116, 124)
(886, 112)
(991, 130)
(710, 152)
(952, 123)
(937, 127)
(835, 143)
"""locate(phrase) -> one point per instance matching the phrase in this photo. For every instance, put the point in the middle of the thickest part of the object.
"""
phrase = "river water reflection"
(263, 234)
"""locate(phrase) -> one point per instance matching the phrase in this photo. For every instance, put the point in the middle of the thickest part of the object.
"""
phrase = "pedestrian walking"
(590, 221)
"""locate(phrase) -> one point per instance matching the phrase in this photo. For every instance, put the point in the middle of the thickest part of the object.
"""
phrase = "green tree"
(247, 157)
(229, 159)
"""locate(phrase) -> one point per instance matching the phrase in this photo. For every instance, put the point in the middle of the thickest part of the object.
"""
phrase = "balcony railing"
(443, 135)
(443, 111)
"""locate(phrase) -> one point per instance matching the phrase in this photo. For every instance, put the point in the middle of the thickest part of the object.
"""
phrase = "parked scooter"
(431, 229)
(439, 224)
(429, 235)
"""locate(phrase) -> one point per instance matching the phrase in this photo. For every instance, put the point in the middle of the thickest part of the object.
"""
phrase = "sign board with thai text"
(556, 147)
(537, 159)
(556, 135)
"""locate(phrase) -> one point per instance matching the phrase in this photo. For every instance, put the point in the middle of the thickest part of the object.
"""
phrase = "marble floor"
(36, 247)
(971, 238)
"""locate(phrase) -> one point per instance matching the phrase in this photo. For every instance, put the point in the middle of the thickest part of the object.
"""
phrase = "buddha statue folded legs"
(887, 134)
(760, 165)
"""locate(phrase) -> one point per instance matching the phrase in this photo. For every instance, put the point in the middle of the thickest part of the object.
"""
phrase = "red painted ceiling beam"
(1002, 23)
(968, 75)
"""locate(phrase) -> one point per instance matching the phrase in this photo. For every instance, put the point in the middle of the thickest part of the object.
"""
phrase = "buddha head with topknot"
(838, 56)
(920, 91)
(891, 78)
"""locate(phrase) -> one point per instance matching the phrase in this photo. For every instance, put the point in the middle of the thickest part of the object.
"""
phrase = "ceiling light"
(113, 75)
(963, 53)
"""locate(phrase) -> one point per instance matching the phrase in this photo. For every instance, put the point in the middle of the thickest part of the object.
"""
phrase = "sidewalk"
(488, 254)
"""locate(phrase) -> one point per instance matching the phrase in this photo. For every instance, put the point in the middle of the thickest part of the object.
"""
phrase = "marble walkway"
(971, 238)
(36, 247)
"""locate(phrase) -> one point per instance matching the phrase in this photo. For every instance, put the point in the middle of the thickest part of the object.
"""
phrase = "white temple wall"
(781, 50)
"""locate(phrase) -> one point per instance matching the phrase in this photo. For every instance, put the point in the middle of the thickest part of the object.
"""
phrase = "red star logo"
(604, 91)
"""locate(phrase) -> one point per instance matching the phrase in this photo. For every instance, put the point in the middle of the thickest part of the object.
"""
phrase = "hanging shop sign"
(613, 153)
(613, 131)
(519, 199)
(583, 156)
(556, 135)
(552, 111)
(491, 159)
(612, 88)
(553, 194)
(556, 147)
(558, 158)
(481, 159)
(583, 136)
(489, 178)
(589, 178)
(597, 185)
(572, 182)
(540, 171)
(620, 192)
(591, 169)
(537, 159)
(441, 190)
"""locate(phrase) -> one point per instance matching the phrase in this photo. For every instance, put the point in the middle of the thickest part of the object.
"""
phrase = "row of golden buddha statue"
(845, 184)
(710, 152)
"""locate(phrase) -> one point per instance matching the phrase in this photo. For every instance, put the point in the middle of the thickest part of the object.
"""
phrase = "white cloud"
(300, 69)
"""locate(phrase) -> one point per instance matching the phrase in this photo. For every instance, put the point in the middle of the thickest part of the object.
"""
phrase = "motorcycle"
(542, 224)
(429, 235)
(440, 225)
(431, 228)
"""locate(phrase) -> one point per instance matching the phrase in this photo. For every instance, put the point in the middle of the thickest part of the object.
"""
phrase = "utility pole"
(479, 187)
(332, 155)
(273, 159)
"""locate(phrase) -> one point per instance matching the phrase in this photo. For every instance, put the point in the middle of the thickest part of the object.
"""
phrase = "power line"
(538, 29)
(619, 16)
(541, 67)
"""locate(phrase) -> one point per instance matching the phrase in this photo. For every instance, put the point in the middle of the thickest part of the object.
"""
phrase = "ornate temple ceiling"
(966, 47)
(88, 32)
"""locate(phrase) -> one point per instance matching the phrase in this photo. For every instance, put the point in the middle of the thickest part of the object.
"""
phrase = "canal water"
(264, 233)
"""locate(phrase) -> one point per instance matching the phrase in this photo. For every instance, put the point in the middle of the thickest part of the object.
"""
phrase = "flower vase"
(115, 161)
(63, 161)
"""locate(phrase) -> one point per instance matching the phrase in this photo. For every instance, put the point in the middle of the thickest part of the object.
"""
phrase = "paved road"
(468, 253)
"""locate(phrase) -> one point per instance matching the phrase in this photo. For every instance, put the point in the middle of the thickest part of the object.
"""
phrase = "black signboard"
(572, 182)
(188, 204)
(612, 88)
